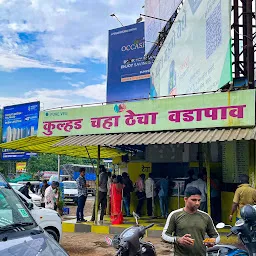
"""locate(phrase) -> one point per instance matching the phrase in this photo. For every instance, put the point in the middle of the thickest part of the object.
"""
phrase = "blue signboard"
(19, 121)
(128, 69)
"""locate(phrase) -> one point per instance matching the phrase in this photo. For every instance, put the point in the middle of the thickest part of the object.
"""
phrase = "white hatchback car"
(36, 199)
(47, 219)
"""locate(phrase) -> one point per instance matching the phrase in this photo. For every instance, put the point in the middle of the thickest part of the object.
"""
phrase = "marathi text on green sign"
(232, 109)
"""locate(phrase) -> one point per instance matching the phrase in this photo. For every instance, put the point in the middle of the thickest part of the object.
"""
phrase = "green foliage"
(49, 162)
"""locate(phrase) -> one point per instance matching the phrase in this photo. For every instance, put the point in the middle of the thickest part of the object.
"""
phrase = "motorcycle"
(130, 243)
(245, 229)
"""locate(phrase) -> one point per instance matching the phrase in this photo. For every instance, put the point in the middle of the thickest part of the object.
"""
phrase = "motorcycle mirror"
(135, 215)
(108, 240)
(220, 225)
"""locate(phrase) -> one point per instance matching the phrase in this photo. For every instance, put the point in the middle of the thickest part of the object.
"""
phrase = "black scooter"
(129, 242)
(245, 229)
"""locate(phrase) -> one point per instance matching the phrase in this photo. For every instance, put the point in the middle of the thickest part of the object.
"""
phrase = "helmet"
(248, 213)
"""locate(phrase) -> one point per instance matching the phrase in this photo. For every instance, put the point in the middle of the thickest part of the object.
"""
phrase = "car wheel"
(53, 234)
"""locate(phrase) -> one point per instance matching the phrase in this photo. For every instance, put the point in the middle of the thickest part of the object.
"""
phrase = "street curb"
(154, 232)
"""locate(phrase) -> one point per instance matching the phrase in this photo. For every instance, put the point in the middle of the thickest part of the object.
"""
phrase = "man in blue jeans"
(163, 196)
(128, 188)
(82, 196)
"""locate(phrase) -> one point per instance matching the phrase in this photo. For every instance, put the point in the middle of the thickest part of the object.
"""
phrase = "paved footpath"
(91, 244)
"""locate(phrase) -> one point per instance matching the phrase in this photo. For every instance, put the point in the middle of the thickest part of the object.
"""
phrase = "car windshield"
(12, 211)
(70, 185)
(16, 186)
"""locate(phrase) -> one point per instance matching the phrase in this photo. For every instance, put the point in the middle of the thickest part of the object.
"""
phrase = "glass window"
(70, 185)
(12, 210)
(16, 186)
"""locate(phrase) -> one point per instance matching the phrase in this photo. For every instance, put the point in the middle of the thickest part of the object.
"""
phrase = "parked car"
(36, 199)
(20, 234)
(47, 219)
(70, 192)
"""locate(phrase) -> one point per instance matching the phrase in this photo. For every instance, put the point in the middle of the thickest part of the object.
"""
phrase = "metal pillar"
(244, 32)
(250, 48)
(208, 169)
(97, 187)
(200, 157)
(236, 39)
(59, 168)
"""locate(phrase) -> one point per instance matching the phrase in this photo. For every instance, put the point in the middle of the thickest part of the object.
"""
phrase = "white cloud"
(104, 77)
(76, 84)
(69, 30)
(67, 78)
(96, 91)
(56, 98)
(10, 61)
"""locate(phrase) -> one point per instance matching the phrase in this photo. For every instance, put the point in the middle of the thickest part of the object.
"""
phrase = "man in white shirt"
(150, 193)
(201, 185)
(51, 195)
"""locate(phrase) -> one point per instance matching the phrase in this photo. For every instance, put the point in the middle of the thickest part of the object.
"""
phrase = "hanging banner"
(19, 121)
(231, 109)
(196, 55)
(21, 167)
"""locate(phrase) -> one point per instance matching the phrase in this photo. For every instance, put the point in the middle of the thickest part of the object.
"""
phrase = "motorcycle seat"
(222, 247)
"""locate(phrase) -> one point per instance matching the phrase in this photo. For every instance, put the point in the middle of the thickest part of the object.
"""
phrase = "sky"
(55, 51)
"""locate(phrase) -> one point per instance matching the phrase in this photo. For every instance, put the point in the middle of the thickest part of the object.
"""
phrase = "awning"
(45, 145)
(170, 137)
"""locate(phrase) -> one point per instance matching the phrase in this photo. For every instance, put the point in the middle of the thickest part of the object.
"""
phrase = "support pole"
(236, 39)
(97, 187)
(200, 157)
(250, 48)
(208, 169)
(59, 168)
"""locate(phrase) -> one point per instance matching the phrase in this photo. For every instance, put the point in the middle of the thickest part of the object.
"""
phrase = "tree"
(49, 162)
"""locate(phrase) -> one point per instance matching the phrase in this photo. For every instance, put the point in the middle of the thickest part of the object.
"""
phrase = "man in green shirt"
(186, 228)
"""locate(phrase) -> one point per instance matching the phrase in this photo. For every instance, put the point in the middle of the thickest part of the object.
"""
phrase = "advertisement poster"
(196, 55)
(162, 9)
(231, 109)
(19, 121)
(21, 167)
(128, 70)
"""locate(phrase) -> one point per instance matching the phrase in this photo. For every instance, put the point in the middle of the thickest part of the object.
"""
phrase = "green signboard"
(231, 109)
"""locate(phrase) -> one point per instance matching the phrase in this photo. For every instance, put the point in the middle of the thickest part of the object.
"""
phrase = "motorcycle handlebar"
(149, 226)
(122, 248)
(119, 251)
(229, 234)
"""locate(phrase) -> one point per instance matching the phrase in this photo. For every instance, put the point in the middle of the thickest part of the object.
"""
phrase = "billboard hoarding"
(128, 70)
(19, 121)
(196, 55)
(232, 109)
(163, 9)
(21, 167)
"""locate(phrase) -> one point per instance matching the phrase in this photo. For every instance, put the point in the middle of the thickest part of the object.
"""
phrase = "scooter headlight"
(116, 241)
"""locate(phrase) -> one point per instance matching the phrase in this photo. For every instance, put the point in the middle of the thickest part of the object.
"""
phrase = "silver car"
(19, 233)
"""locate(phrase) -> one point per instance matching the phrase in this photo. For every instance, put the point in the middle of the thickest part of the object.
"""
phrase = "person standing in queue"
(150, 193)
(128, 188)
(140, 192)
(82, 196)
(103, 190)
